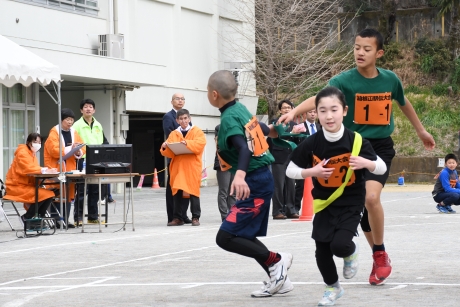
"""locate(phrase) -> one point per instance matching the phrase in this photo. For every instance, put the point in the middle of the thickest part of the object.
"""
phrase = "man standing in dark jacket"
(170, 124)
(284, 194)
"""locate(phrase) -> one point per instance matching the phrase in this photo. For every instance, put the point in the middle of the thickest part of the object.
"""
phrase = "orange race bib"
(256, 139)
(373, 109)
(340, 164)
(224, 166)
(453, 183)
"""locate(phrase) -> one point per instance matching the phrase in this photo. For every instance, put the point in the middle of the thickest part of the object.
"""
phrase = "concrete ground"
(157, 265)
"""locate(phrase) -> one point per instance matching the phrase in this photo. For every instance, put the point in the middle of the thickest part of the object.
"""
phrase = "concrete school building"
(130, 57)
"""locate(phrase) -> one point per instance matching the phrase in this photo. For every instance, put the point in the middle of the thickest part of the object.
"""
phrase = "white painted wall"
(170, 46)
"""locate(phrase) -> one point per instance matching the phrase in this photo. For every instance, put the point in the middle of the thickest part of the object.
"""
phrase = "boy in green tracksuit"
(369, 92)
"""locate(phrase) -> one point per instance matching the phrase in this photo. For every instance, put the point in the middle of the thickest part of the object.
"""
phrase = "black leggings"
(42, 207)
(245, 247)
(340, 246)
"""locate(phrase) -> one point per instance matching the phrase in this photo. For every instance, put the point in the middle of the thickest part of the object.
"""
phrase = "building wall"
(170, 46)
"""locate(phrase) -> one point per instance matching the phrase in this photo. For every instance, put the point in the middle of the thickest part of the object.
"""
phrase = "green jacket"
(91, 136)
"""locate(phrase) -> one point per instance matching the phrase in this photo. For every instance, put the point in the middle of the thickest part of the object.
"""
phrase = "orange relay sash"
(373, 109)
(256, 139)
(340, 164)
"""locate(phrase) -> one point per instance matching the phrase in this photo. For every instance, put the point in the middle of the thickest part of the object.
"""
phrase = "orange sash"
(340, 164)
(373, 109)
(256, 139)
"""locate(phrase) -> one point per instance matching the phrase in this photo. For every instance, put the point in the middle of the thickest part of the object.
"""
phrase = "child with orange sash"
(336, 158)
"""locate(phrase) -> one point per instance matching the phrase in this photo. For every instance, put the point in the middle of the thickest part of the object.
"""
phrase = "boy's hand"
(184, 142)
(357, 162)
(164, 145)
(239, 186)
(427, 139)
(320, 171)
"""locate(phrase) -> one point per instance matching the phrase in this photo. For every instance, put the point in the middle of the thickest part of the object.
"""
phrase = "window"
(82, 6)
(19, 119)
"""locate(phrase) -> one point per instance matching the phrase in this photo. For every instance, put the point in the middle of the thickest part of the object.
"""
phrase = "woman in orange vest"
(19, 186)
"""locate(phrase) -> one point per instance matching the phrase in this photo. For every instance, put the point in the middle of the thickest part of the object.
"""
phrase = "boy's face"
(183, 121)
(451, 164)
(365, 51)
(88, 110)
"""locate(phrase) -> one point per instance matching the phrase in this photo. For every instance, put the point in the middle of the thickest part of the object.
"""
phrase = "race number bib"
(373, 109)
(340, 164)
(256, 139)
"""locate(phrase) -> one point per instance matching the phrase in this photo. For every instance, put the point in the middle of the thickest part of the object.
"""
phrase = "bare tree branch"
(296, 44)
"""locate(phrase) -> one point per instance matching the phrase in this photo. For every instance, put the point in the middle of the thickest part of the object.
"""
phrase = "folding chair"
(10, 212)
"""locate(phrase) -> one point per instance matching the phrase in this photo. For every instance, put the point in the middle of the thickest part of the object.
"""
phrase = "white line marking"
(230, 283)
(398, 287)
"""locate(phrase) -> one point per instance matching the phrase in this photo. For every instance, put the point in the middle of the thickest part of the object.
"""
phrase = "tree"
(296, 45)
(452, 6)
(387, 20)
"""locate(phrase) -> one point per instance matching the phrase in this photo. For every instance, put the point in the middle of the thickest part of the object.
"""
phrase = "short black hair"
(32, 137)
(331, 91)
(87, 101)
(450, 156)
(369, 32)
(182, 112)
(286, 101)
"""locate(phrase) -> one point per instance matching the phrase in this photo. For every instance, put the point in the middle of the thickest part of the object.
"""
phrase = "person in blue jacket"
(446, 190)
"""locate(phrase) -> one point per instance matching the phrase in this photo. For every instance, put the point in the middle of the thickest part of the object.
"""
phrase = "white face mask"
(36, 147)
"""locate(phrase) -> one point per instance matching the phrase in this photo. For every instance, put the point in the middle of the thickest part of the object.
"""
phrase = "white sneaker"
(278, 273)
(351, 264)
(331, 294)
(287, 258)
(264, 291)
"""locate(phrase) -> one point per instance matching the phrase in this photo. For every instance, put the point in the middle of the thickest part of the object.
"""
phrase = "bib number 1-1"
(373, 109)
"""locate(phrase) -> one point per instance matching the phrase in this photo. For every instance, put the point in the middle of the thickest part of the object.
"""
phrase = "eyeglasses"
(179, 98)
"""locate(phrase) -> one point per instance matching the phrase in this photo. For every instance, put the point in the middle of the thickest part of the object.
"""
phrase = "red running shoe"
(382, 265)
(373, 280)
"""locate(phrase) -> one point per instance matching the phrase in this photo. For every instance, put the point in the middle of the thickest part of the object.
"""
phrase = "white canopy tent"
(19, 65)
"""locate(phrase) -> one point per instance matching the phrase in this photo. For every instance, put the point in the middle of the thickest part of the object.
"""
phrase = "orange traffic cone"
(307, 202)
(155, 184)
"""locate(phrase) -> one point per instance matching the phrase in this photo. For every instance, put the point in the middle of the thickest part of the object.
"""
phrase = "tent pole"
(61, 174)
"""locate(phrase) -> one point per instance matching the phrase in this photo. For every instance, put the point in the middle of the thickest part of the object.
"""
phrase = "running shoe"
(382, 265)
(441, 209)
(373, 280)
(264, 291)
(331, 294)
(350, 263)
(287, 258)
(278, 273)
(449, 209)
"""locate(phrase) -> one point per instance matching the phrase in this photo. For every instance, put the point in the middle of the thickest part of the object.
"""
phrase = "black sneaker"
(187, 220)
(110, 199)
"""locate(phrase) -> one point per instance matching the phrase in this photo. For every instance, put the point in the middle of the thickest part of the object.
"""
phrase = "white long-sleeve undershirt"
(295, 172)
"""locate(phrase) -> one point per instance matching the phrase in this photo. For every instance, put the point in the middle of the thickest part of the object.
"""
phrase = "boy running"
(369, 92)
(252, 184)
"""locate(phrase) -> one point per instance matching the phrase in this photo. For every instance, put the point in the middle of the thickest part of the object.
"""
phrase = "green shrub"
(412, 89)
(262, 106)
(440, 89)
